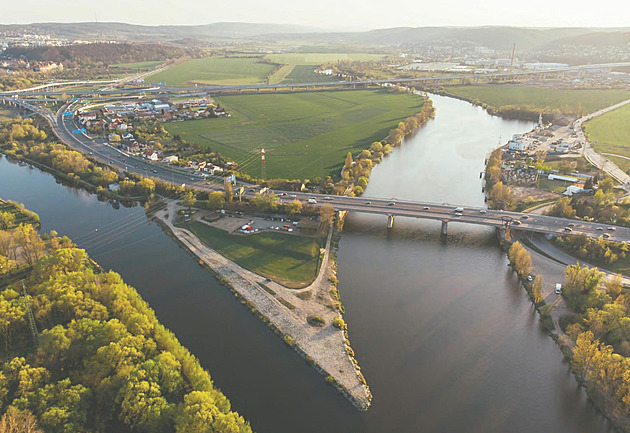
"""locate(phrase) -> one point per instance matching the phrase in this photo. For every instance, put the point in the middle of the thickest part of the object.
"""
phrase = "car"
(327, 198)
(154, 171)
(483, 211)
(612, 228)
(427, 208)
(391, 203)
(516, 222)
(571, 225)
(568, 229)
(459, 209)
(293, 196)
(606, 235)
(192, 178)
(368, 202)
(524, 217)
(252, 190)
(600, 228)
(530, 278)
(558, 288)
(457, 214)
(283, 193)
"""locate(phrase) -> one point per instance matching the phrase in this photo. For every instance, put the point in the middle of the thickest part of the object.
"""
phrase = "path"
(597, 159)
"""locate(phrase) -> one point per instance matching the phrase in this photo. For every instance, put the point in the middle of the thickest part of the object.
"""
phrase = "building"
(171, 159)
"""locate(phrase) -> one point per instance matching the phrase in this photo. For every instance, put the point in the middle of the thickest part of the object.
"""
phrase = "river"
(446, 338)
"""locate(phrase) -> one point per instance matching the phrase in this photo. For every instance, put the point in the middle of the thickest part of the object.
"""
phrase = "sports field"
(215, 70)
(305, 135)
(566, 100)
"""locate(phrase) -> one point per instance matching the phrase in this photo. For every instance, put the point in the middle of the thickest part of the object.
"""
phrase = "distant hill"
(497, 38)
(137, 32)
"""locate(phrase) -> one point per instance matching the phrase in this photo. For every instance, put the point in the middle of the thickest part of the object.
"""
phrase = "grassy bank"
(305, 134)
(215, 70)
(565, 100)
(610, 133)
(287, 259)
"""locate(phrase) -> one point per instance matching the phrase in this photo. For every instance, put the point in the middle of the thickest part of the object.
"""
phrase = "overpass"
(333, 85)
(445, 213)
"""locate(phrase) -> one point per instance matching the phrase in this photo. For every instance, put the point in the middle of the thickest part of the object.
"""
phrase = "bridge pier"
(444, 228)
(390, 221)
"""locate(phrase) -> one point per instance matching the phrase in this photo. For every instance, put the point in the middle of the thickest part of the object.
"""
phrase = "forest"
(95, 54)
(82, 352)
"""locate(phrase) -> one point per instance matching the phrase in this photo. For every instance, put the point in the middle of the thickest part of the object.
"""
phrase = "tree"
(348, 163)
(523, 264)
(537, 287)
(215, 200)
(228, 191)
(294, 207)
(563, 208)
(6, 220)
(31, 245)
(326, 216)
(614, 286)
(265, 202)
(19, 421)
(189, 199)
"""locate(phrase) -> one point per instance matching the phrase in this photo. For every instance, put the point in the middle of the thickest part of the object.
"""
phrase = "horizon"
(327, 15)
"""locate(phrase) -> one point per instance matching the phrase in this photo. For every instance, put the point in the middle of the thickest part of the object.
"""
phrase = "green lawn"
(319, 58)
(306, 74)
(19, 216)
(215, 70)
(287, 259)
(610, 133)
(564, 99)
(304, 134)
(143, 66)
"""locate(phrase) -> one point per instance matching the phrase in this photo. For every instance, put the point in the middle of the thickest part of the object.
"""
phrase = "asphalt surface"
(64, 127)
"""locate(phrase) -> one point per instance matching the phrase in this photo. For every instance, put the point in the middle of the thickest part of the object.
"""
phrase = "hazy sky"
(340, 14)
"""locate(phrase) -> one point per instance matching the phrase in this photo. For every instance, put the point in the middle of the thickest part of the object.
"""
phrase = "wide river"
(446, 338)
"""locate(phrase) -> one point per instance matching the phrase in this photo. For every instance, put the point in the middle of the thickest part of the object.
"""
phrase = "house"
(130, 146)
(151, 155)
(212, 169)
(171, 159)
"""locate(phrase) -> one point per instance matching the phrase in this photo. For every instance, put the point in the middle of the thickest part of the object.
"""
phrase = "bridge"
(258, 88)
(66, 130)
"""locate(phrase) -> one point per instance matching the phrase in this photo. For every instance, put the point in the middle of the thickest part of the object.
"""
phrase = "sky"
(327, 14)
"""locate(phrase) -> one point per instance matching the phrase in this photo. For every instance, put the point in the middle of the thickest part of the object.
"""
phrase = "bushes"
(339, 323)
(316, 321)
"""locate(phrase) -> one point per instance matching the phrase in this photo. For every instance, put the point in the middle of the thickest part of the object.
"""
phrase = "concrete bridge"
(445, 213)
(270, 88)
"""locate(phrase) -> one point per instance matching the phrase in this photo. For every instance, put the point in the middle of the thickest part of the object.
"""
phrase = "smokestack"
(513, 51)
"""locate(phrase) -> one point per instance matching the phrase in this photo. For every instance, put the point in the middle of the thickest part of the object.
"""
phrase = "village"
(547, 159)
(121, 124)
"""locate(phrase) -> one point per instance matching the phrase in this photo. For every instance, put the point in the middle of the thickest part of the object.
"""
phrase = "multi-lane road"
(66, 130)
(168, 90)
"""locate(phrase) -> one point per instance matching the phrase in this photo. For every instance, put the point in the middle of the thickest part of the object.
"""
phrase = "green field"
(305, 134)
(622, 163)
(6, 114)
(306, 74)
(287, 259)
(215, 70)
(610, 128)
(142, 66)
(280, 74)
(319, 58)
(562, 99)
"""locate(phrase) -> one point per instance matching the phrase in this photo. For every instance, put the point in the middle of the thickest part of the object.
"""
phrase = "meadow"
(319, 58)
(141, 66)
(305, 135)
(287, 259)
(215, 70)
(566, 100)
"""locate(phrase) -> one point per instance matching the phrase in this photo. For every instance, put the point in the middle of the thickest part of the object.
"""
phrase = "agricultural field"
(319, 58)
(610, 128)
(287, 259)
(215, 70)
(306, 74)
(140, 66)
(305, 135)
(566, 100)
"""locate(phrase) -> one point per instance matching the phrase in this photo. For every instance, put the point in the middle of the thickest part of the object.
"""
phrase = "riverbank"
(287, 311)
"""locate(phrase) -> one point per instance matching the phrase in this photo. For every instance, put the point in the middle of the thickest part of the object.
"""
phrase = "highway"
(65, 129)
(215, 90)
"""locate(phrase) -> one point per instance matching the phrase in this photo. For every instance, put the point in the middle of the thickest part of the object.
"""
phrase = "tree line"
(101, 361)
